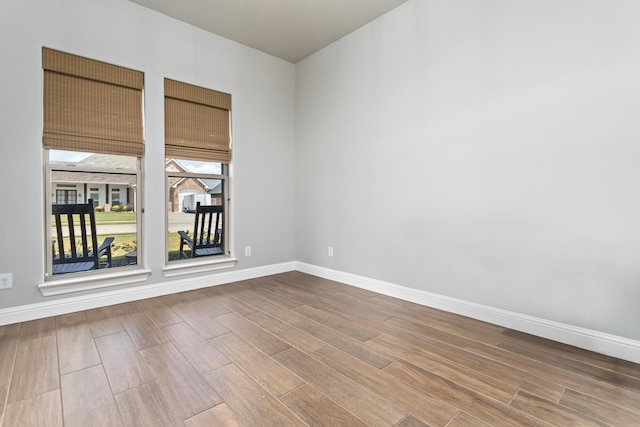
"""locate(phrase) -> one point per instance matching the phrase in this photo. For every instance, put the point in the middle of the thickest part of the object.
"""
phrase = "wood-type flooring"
(295, 350)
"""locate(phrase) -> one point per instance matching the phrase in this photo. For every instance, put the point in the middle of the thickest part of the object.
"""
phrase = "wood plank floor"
(294, 349)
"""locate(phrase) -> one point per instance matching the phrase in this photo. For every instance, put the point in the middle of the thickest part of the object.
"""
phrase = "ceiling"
(288, 29)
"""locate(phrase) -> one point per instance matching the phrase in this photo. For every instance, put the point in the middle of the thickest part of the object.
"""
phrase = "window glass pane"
(189, 183)
(94, 160)
(115, 217)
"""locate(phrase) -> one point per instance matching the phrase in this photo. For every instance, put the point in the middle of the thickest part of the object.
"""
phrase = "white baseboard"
(85, 302)
(600, 342)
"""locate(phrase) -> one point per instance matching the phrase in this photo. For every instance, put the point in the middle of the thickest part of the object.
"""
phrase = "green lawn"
(106, 218)
(115, 217)
(124, 243)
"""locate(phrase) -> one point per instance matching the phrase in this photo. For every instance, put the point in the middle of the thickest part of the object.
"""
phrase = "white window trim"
(183, 267)
(215, 262)
(78, 282)
(83, 282)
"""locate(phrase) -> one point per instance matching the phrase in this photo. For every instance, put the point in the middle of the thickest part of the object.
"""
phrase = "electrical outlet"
(330, 251)
(6, 280)
(247, 251)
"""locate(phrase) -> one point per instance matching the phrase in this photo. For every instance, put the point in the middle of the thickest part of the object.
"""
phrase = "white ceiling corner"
(288, 29)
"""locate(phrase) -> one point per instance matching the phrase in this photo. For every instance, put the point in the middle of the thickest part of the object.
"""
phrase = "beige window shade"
(91, 106)
(196, 123)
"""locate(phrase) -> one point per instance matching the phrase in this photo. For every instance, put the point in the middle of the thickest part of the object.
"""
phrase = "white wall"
(126, 34)
(484, 150)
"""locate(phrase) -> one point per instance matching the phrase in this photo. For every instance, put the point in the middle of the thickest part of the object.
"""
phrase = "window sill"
(65, 285)
(180, 268)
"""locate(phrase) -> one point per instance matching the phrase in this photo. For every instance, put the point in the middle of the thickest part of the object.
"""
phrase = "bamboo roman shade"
(196, 123)
(91, 106)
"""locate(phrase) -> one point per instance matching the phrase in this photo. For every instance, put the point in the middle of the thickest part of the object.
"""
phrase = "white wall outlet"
(6, 280)
(330, 251)
(247, 251)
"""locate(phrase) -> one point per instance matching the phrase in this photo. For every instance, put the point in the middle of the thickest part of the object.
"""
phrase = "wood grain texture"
(265, 306)
(470, 378)
(337, 322)
(294, 349)
(160, 314)
(219, 416)
(36, 368)
(261, 368)
(600, 410)
(232, 303)
(453, 324)
(38, 328)
(469, 354)
(422, 405)
(202, 323)
(211, 306)
(76, 348)
(103, 321)
(88, 399)
(344, 303)
(595, 372)
(8, 349)
(411, 421)
(573, 353)
(13, 329)
(147, 406)
(346, 343)
(250, 402)
(123, 364)
(316, 409)
(286, 333)
(550, 412)
(462, 419)
(201, 353)
(180, 382)
(471, 402)
(42, 410)
(249, 331)
(360, 401)
(143, 332)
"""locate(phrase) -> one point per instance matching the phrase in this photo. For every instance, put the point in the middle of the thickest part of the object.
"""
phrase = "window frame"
(49, 167)
(206, 263)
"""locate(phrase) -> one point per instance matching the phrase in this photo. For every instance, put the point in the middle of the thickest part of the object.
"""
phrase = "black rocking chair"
(207, 233)
(75, 259)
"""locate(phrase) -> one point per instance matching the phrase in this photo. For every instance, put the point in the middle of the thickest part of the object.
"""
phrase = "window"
(95, 196)
(83, 169)
(197, 158)
(93, 145)
(194, 182)
(115, 197)
(66, 196)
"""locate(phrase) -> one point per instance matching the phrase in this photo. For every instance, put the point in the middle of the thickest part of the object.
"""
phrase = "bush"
(116, 208)
(99, 209)
(127, 208)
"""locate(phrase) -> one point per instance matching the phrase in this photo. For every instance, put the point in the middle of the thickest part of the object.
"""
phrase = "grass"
(105, 218)
(122, 244)
(115, 217)
(125, 243)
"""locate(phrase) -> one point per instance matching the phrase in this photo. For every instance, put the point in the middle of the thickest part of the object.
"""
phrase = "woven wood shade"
(196, 123)
(91, 106)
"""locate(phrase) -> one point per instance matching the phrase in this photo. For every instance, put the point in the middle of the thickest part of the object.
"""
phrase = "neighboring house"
(108, 189)
(105, 189)
(181, 187)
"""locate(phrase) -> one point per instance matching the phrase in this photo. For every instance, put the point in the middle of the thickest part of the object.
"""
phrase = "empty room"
(320, 213)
